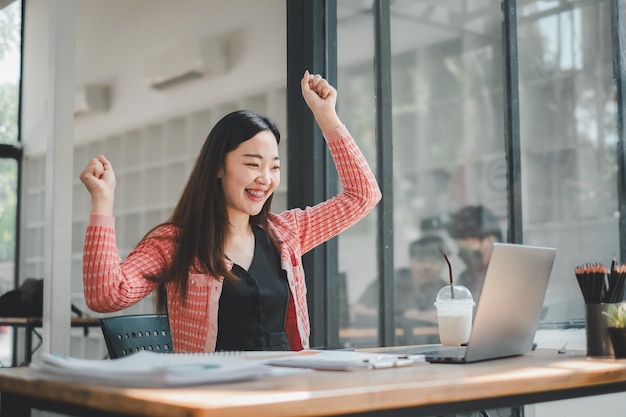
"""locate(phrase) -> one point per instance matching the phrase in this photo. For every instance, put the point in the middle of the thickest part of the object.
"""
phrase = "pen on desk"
(390, 361)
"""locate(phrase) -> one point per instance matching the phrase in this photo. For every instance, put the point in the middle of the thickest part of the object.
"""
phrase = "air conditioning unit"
(92, 98)
(188, 61)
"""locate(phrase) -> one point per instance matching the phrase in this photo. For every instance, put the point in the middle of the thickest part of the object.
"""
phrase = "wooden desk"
(425, 390)
(31, 323)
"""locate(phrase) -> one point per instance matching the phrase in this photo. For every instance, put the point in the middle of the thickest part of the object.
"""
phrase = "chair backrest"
(125, 335)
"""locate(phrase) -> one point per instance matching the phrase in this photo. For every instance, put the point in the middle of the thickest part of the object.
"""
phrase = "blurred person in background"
(474, 229)
(415, 289)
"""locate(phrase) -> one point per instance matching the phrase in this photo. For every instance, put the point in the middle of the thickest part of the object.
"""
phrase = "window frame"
(15, 151)
(303, 22)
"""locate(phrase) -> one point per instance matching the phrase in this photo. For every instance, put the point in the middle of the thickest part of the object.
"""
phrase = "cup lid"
(461, 293)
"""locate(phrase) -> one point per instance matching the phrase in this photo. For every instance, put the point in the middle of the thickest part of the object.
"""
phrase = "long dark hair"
(200, 214)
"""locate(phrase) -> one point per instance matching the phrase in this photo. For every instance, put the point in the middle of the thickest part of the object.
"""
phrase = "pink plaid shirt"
(111, 285)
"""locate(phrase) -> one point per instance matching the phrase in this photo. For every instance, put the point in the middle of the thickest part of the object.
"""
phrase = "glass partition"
(450, 168)
(10, 50)
(568, 118)
(448, 154)
(10, 154)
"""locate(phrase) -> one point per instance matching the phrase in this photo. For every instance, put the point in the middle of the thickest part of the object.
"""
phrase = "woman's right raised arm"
(99, 178)
(109, 284)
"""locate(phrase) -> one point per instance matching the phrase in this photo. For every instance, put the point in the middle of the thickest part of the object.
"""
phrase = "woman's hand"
(321, 98)
(99, 178)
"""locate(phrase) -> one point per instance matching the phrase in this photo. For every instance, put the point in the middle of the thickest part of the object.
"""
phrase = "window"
(10, 50)
(10, 151)
(568, 118)
(449, 98)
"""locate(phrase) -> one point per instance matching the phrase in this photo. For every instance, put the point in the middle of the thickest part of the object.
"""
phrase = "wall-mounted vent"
(186, 62)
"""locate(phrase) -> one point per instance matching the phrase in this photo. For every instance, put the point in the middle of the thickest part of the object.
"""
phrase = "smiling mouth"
(256, 194)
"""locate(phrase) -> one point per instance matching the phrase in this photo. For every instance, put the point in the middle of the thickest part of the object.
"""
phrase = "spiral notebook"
(509, 308)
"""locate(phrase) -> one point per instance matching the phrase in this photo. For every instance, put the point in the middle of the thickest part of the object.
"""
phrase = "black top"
(252, 311)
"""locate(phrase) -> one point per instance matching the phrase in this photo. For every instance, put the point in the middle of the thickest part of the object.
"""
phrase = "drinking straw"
(450, 271)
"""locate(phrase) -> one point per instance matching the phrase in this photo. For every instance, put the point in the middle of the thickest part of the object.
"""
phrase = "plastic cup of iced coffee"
(454, 315)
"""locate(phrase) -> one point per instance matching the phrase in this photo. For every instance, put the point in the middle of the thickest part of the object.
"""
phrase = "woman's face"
(250, 174)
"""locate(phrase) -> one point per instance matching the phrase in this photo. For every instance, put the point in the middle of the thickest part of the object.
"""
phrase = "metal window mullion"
(308, 176)
(18, 209)
(512, 140)
(332, 313)
(384, 168)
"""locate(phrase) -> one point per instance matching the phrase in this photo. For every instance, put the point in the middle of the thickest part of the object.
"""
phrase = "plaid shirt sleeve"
(112, 285)
(319, 223)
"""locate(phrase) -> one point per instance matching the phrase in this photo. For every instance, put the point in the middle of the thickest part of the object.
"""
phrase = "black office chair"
(125, 335)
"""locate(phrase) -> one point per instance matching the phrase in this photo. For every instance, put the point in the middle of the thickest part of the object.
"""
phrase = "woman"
(222, 250)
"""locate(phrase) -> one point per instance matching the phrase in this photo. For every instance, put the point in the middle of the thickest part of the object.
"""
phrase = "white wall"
(114, 37)
(611, 405)
(34, 76)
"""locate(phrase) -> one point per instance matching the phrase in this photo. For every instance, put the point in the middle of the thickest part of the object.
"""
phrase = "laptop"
(509, 308)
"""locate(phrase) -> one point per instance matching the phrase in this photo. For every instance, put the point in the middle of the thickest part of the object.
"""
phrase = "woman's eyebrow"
(255, 155)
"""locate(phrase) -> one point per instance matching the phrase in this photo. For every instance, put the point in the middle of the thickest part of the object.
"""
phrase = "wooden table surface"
(543, 375)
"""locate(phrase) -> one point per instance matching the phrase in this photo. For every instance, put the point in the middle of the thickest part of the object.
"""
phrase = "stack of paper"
(150, 369)
(153, 370)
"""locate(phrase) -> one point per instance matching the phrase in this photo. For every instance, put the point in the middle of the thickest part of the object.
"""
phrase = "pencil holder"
(596, 323)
